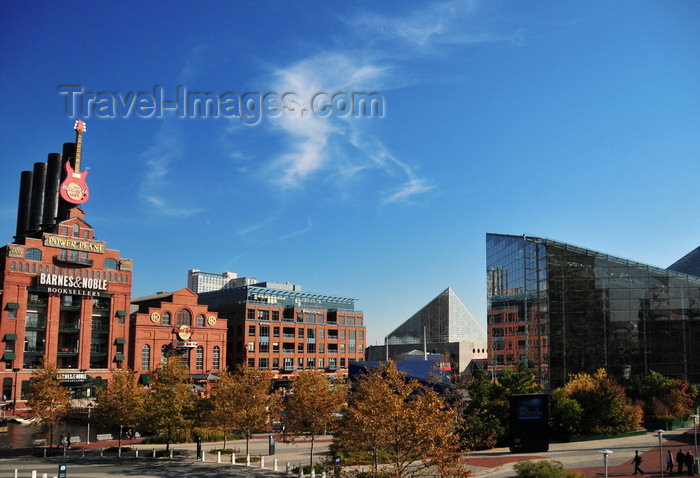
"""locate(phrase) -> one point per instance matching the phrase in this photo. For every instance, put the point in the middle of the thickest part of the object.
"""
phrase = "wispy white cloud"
(158, 158)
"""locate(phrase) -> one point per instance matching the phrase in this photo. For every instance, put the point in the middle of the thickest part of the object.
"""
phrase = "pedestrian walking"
(689, 463)
(680, 459)
(637, 460)
(669, 461)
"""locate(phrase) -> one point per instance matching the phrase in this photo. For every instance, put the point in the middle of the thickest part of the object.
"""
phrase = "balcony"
(70, 350)
(74, 261)
(36, 323)
(72, 325)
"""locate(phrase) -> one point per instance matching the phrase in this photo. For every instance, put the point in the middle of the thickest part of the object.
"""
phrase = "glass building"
(565, 309)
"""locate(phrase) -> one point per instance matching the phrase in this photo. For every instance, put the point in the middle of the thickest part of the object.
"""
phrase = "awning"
(145, 378)
(9, 356)
(119, 357)
(121, 313)
(9, 337)
(120, 340)
(12, 305)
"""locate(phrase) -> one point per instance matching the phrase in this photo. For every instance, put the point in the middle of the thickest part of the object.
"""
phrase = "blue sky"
(577, 121)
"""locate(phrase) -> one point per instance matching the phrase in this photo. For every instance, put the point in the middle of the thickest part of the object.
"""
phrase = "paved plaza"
(495, 463)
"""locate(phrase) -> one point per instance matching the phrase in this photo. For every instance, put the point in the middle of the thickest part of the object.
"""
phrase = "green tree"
(603, 407)
(48, 400)
(664, 398)
(488, 413)
(170, 406)
(392, 417)
(244, 400)
(121, 402)
(309, 411)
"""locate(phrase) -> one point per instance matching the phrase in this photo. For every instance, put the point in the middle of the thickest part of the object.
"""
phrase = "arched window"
(111, 264)
(166, 319)
(146, 357)
(184, 317)
(33, 254)
(164, 353)
(76, 230)
(200, 320)
(200, 358)
(216, 358)
(185, 358)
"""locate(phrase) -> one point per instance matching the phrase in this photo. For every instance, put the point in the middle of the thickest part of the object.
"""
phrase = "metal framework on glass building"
(565, 309)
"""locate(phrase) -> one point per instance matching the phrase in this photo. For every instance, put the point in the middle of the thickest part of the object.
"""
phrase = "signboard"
(187, 345)
(76, 244)
(529, 427)
(16, 252)
(72, 377)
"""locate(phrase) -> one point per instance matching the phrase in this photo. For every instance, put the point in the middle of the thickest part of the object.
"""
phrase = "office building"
(198, 281)
(279, 327)
(565, 309)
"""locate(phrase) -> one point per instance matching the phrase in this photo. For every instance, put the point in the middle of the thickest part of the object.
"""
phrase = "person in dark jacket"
(689, 463)
(637, 460)
(680, 459)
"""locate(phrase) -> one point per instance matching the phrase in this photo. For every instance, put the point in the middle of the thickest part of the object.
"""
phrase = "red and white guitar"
(74, 189)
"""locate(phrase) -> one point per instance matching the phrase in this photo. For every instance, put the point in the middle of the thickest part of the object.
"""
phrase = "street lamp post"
(605, 453)
(88, 427)
(695, 432)
(660, 432)
(14, 401)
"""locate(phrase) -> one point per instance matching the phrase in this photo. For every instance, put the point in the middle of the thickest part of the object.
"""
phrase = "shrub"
(543, 469)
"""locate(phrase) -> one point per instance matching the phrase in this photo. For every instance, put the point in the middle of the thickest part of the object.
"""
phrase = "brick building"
(174, 322)
(277, 327)
(65, 294)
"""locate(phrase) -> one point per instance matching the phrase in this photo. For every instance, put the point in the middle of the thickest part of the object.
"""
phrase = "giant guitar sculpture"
(74, 189)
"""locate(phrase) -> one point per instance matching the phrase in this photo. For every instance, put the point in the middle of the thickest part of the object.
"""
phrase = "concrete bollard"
(233, 458)
(313, 472)
(137, 453)
(33, 473)
(301, 470)
(44, 453)
(102, 452)
(45, 475)
(274, 465)
(83, 453)
(323, 475)
(16, 473)
(289, 468)
(171, 453)
(247, 460)
(204, 454)
(153, 452)
(262, 462)
(218, 457)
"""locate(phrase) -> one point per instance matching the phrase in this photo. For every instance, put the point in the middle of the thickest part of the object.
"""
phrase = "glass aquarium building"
(565, 309)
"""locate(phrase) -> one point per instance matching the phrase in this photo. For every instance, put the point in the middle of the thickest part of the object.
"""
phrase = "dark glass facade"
(566, 310)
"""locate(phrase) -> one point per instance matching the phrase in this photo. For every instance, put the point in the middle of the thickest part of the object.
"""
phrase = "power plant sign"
(74, 188)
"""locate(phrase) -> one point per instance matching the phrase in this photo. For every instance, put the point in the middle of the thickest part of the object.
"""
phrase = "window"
(216, 358)
(184, 317)
(275, 347)
(321, 348)
(110, 264)
(251, 346)
(146, 357)
(311, 333)
(264, 331)
(251, 363)
(263, 363)
(300, 333)
(33, 254)
(275, 363)
(200, 320)
(251, 314)
(276, 331)
(166, 318)
(321, 333)
(300, 317)
(275, 315)
(164, 354)
(251, 331)
(342, 348)
(310, 362)
(300, 348)
(76, 230)
(264, 347)
(311, 348)
(263, 314)
(199, 359)
(351, 320)
(185, 358)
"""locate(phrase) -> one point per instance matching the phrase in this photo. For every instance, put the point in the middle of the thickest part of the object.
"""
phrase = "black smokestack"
(25, 197)
(53, 182)
(36, 207)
